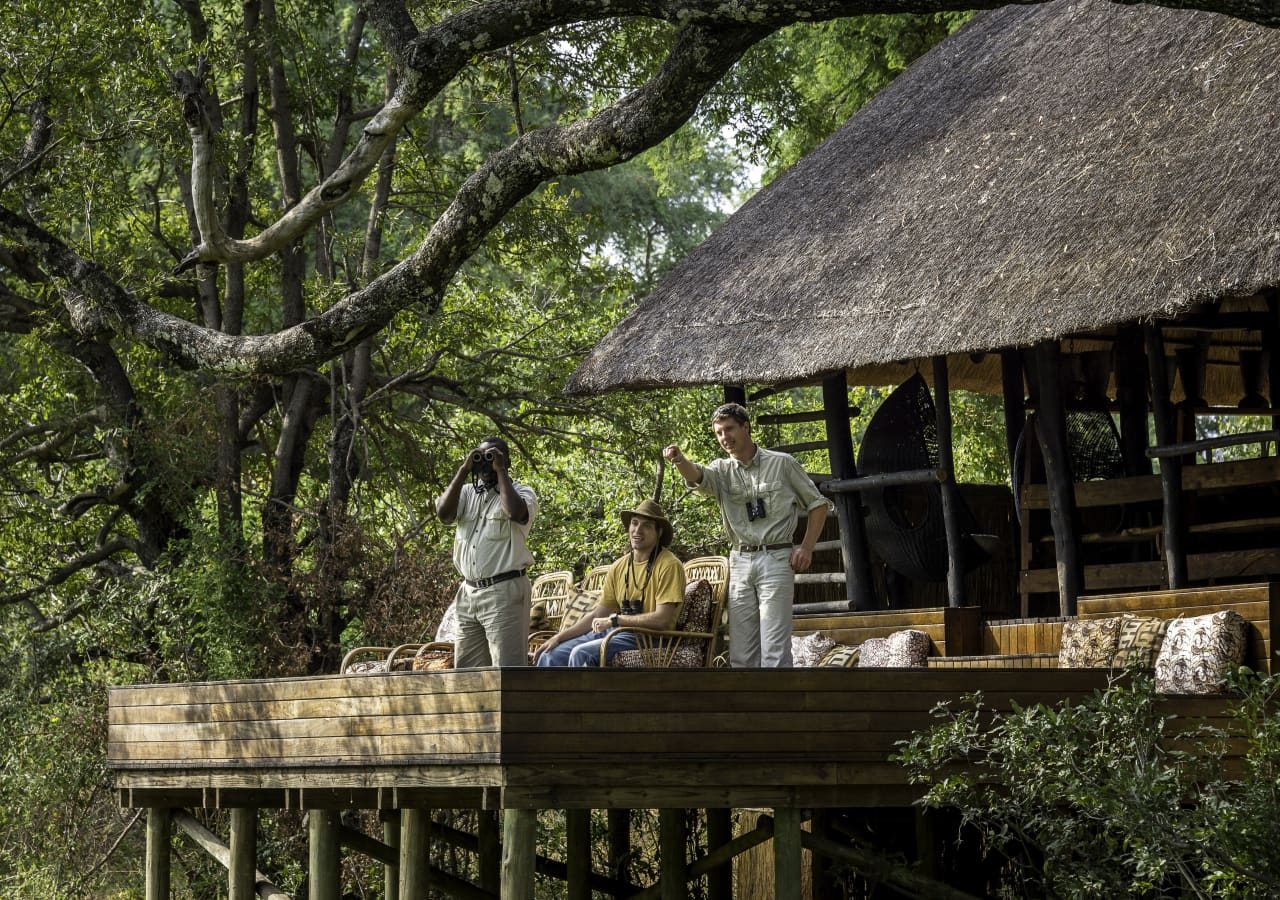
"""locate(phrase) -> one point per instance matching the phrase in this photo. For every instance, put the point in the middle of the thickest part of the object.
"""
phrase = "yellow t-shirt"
(628, 580)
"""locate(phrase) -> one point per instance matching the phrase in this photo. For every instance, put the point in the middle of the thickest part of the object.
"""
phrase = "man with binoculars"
(643, 589)
(759, 492)
(492, 516)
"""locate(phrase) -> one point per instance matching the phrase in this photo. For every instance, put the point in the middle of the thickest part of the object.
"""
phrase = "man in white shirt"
(760, 492)
(492, 516)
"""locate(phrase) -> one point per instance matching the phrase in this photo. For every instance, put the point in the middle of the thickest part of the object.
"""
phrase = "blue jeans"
(584, 650)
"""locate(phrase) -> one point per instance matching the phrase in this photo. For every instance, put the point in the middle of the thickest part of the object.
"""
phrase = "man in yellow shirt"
(760, 493)
(643, 589)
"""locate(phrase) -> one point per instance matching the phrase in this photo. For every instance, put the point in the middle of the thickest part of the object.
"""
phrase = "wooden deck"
(538, 738)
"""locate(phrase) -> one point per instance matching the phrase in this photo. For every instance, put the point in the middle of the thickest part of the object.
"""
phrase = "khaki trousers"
(493, 625)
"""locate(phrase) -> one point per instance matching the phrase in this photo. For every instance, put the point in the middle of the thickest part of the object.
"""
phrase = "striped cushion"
(1139, 641)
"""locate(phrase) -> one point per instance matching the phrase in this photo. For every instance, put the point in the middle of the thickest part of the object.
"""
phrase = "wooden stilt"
(1051, 428)
(786, 853)
(619, 830)
(391, 837)
(1271, 344)
(950, 495)
(671, 844)
(735, 393)
(853, 539)
(824, 886)
(519, 846)
(1132, 382)
(1015, 405)
(719, 833)
(926, 843)
(158, 850)
(241, 879)
(578, 853)
(415, 835)
(490, 850)
(1171, 468)
(323, 857)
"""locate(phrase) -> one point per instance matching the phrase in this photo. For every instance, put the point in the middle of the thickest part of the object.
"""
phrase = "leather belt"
(496, 579)
(756, 548)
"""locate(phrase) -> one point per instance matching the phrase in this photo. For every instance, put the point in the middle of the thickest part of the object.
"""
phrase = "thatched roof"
(1047, 171)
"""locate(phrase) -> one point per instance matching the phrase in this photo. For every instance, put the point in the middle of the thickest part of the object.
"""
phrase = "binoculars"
(480, 456)
(632, 607)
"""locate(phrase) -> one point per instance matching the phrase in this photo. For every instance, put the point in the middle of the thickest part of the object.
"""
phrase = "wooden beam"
(490, 850)
(1170, 469)
(158, 853)
(719, 833)
(671, 843)
(821, 871)
(1214, 443)
(1051, 429)
(578, 853)
(1132, 383)
(415, 843)
(815, 415)
(887, 479)
(853, 538)
(215, 847)
(950, 496)
(619, 833)
(244, 854)
(354, 839)
(1013, 387)
(519, 847)
(735, 393)
(786, 853)
(323, 856)
(391, 837)
(880, 869)
(721, 856)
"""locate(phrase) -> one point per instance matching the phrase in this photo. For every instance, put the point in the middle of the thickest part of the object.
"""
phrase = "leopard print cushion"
(1197, 653)
(807, 651)
(433, 661)
(695, 615)
(900, 650)
(695, 612)
(1139, 642)
(369, 667)
(1089, 643)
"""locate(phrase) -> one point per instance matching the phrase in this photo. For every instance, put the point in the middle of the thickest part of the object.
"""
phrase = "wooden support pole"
(619, 835)
(578, 853)
(820, 868)
(786, 853)
(244, 854)
(853, 538)
(519, 847)
(1270, 337)
(719, 833)
(735, 393)
(323, 857)
(415, 844)
(490, 850)
(158, 853)
(1132, 383)
(1014, 390)
(218, 849)
(884, 870)
(717, 858)
(1170, 469)
(1051, 428)
(391, 837)
(950, 495)
(671, 843)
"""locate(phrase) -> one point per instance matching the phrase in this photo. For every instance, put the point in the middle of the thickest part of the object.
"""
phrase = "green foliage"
(1113, 796)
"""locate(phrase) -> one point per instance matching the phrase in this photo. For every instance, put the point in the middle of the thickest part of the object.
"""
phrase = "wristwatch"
(613, 620)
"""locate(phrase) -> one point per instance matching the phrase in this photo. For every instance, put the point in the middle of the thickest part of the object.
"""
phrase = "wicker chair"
(692, 643)
(576, 604)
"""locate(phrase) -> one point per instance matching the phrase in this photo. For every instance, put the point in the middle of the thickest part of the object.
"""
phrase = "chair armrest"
(356, 652)
(664, 639)
(402, 649)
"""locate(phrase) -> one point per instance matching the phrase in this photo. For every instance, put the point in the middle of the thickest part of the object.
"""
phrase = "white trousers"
(493, 625)
(761, 588)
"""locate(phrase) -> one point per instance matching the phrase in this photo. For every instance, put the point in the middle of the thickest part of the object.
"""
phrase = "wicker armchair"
(576, 604)
(692, 643)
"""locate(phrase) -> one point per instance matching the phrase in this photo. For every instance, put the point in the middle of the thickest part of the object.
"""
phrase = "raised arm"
(691, 472)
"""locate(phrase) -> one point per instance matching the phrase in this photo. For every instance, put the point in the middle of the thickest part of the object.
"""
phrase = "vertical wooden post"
(671, 843)
(824, 886)
(490, 850)
(735, 393)
(158, 852)
(1015, 406)
(926, 843)
(719, 833)
(1170, 467)
(853, 539)
(619, 833)
(519, 846)
(950, 494)
(1271, 343)
(1131, 396)
(1051, 427)
(786, 853)
(391, 837)
(322, 857)
(578, 853)
(242, 872)
(415, 860)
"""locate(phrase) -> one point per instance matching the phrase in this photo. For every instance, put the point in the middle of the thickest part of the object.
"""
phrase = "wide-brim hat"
(649, 509)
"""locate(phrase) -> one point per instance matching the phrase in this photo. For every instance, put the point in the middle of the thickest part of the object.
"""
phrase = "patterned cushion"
(1139, 641)
(1089, 643)
(369, 667)
(1197, 653)
(433, 661)
(695, 612)
(900, 650)
(448, 628)
(841, 656)
(538, 618)
(808, 651)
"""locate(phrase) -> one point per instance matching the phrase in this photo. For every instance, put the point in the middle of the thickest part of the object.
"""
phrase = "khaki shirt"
(635, 581)
(486, 542)
(777, 478)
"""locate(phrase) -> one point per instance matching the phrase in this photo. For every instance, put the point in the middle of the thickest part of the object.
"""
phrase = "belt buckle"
(484, 582)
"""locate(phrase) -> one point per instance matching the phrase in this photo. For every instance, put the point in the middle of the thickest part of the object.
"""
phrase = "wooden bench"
(1258, 604)
(951, 630)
